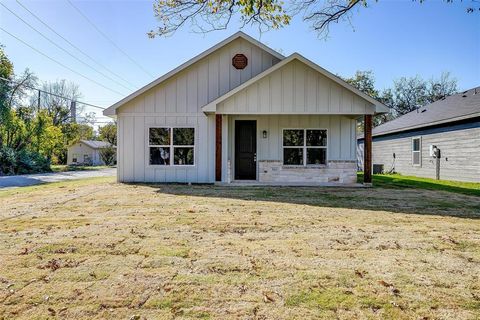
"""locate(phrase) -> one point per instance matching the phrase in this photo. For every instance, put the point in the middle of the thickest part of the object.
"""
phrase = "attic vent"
(239, 61)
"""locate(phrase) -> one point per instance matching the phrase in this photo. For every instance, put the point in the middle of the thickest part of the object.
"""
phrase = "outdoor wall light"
(264, 134)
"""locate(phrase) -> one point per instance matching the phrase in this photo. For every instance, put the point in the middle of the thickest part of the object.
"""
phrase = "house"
(86, 152)
(241, 111)
(450, 126)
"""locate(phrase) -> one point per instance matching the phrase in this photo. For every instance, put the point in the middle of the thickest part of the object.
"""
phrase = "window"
(304, 147)
(417, 151)
(171, 146)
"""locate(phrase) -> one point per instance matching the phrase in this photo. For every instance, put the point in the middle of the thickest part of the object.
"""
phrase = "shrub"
(22, 162)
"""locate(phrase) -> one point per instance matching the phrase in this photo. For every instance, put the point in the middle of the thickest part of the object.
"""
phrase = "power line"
(74, 46)
(59, 63)
(108, 39)
(50, 93)
(61, 48)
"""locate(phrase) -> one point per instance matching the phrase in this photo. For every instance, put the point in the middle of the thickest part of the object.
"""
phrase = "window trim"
(419, 138)
(305, 147)
(171, 146)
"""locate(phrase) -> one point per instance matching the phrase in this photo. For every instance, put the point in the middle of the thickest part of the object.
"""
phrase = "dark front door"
(245, 150)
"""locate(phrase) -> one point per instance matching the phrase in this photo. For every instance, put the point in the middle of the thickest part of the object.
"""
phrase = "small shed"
(86, 152)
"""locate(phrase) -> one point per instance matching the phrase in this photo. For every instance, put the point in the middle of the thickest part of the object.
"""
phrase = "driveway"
(38, 178)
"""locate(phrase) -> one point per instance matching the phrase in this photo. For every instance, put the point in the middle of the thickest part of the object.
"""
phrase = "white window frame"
(305, 147)
(171, 147)
(419, 138)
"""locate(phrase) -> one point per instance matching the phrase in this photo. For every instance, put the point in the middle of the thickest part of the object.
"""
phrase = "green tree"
(109, 155)
(108, 133)
(409, 94)
(6, 72)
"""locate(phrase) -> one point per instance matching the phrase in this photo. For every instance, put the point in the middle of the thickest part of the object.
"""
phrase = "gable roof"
(96, 144)
(379, 107)
(456, 107)
(111, 110)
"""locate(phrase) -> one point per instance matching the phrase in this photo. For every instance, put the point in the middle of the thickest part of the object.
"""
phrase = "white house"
(86, 152)
(242, 111)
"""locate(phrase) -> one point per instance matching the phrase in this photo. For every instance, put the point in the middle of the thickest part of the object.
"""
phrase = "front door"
(245, 150)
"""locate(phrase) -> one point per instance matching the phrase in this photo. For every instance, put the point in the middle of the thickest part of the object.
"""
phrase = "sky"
(391, 38)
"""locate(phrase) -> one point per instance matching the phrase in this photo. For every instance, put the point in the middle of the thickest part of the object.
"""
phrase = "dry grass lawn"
(95, 249)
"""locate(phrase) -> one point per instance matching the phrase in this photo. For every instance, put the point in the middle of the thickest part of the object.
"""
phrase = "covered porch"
(279, 149)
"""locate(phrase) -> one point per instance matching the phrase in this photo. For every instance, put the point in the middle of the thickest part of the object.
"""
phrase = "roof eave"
(380, 108)
(428, 124)
(110, 111)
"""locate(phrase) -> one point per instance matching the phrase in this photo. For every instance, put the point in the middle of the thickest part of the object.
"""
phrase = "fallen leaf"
(384, 283)
(267, 297)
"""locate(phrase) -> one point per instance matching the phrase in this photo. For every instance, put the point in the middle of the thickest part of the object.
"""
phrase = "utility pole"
(38, 102)
(73, 111)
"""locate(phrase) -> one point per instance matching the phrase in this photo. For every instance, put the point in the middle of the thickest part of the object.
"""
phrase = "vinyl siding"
(80, 149)
(460, 152)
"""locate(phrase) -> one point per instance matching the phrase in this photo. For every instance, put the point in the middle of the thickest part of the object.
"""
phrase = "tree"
(6, 72)
(409, 94)
(59, 108)
(108, 133)
(109, 155)
(209, 15)
(365, 82)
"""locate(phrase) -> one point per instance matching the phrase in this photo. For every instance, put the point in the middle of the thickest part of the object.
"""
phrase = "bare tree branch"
(211, 15)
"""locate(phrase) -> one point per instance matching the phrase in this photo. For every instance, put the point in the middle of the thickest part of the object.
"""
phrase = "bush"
(22, 162)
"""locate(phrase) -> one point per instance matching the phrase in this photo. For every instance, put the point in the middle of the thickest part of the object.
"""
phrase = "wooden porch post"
(218, 147)
(367, 152)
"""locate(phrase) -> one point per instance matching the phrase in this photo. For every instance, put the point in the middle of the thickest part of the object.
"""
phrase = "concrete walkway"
(38, 178)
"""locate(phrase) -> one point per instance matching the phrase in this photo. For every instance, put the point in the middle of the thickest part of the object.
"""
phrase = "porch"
(280, 150)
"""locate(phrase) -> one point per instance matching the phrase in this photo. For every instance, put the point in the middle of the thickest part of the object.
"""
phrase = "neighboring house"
(452, 125)
(86, 152)
(241, 111)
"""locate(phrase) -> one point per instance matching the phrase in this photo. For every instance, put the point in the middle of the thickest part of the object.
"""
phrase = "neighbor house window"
(171, 146)
(304, 147)
(417, 151)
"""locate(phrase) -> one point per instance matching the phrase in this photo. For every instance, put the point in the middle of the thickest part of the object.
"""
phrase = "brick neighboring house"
(452, 125)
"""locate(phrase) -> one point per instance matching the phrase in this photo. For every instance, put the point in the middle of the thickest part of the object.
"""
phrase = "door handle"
(255, 157)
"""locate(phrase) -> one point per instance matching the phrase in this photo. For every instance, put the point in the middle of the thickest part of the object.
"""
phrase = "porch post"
(218, 147)
(367, 152)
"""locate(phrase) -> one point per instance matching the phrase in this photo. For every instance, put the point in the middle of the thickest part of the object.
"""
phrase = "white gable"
(201, 79)
(295, 86)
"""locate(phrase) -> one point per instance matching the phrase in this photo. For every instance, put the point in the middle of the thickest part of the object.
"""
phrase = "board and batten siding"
(340, 135)
(295, 88)
(460, 151)
(177, 102)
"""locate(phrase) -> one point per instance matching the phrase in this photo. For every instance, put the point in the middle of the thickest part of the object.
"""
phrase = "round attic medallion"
(239, 61)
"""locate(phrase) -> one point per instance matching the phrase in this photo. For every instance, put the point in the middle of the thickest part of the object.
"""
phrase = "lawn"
(96, 249)
(399, 181)
(64, 167)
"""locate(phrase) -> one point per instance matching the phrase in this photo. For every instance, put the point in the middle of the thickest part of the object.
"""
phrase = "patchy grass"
(399, 181)
(64, 168)
(100, 250)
